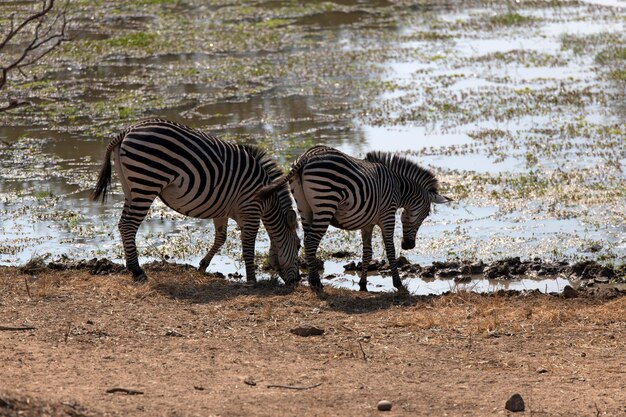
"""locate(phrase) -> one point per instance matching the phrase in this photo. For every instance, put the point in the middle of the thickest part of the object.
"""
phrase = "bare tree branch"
(35, 36)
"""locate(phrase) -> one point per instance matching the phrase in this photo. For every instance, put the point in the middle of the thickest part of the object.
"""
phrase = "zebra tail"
(297, 166)
(104, 179)
(266, 191)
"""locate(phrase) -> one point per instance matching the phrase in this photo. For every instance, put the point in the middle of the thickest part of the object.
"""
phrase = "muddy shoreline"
(587, 276)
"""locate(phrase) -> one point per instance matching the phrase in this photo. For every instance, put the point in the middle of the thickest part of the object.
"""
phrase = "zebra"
(332, 188)
(200, 176)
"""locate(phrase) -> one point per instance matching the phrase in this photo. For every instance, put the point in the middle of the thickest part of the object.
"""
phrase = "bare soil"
(197, 345)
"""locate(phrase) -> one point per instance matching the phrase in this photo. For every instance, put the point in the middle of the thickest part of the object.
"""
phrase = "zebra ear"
(292, 219)
(439, 199)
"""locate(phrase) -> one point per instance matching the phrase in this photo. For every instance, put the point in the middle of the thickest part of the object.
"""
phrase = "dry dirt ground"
(196, 345)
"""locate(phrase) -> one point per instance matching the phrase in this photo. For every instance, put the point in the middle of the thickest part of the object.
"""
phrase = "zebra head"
(415, 213)
(283, 255)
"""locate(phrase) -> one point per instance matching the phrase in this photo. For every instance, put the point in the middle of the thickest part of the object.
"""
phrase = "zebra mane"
(405, 168)
(270, 166)
(273, 170)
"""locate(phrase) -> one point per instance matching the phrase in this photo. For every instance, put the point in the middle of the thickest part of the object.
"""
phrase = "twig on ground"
(125, 391)
(68, 330)
(294, 387)
(362, 351)
(16, 328)
(347, 328)
(27, 287)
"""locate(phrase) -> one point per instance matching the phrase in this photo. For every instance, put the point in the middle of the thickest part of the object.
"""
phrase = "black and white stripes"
(332, 188)
(200, 176)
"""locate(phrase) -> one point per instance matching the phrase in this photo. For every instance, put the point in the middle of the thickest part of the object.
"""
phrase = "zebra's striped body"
(200, 176)
(332, 188)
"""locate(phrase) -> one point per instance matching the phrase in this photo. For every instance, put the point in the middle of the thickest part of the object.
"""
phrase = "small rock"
(402, 261)
(306, 330)
(477, 267)
(541, 370)
(384, 405)
(587, 283)
(249, 381)
(350, 266)
(342, 254)
(569, 292)
(198, 388)
(596, 247)
(515, 403)
(602, 280)
(174, 333)
(428, 272)
(448, 273)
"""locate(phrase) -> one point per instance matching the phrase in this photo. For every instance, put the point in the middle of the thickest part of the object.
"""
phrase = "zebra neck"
(408, 189)
(274, 218)
(403, 188)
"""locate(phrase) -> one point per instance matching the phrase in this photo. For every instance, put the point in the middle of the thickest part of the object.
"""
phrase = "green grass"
(133, 40)
(153, 2)
(611, 54)
(510, 19)
(619, 75)
(273, 23)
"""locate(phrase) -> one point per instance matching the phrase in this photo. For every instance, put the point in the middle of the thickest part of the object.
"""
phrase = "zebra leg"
(313, 234)
(221, 225)
(366, 236)
(249, 230)
(311, 243)
(390, 248)
(132, 215)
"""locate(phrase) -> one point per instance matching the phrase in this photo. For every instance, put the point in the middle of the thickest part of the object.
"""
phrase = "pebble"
(448, 273)
(515, 403)
(602, 280)
(384, 405)
(306, 330)
(569, 292)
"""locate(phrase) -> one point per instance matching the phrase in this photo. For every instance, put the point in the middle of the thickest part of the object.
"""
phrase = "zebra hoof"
(402, 290)
(292, 283)
(363, 288)
(140, 278)
(203, 267)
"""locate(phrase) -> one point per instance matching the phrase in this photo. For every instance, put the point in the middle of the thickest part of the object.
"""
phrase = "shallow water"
(524, 130)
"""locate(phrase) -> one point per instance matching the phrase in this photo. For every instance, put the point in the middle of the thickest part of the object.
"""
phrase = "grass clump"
(611, 54)
(273, 23)
(619, 75)
(510, 19)
(133, 40)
